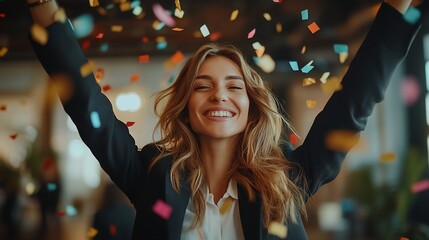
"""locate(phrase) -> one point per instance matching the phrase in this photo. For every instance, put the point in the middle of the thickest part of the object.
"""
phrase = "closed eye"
(201, 87)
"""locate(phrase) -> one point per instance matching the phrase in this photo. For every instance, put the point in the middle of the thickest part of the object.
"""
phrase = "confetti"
(341, 140)
(341, 48)
(324, 77)
(94, 3)
(144, 58)
(157, 25)
(2, 15)
(311, 104)
(125, 6)
(308, 81)
(71, 211)
(95, 120)
(60, 15)
(204, 30)
(279, 27)
(130, 124)
(179, 13)
(307, 68)
(112, 229)
(420, 186)
(39, 34)
(104, 47)
(161, 43)
(106, 88)
(332, 85)
(412, 15)
(251, 34)
(260, 51)
(177, 3)
(162, 209)
(87, 68)
(13, 136)
(99, 35)
(234, 15)
(3, 51)
(404, 238)
(294, 65)
(343, 57)
(86, 44)
(277, 229)
(410, 90)
(303, 49)
(116, 28)
(225, 206)
(3, 107)
(163, 15)
(92, 232)
(99, 74)
(176, 29)
(138, 11)
(135, 77)
(313, 27)
(200, 235)
(293, 138)
(267, 16)
(304, 14)
(215, 36)
(60, 213)
(83, 25)
(52, 187)
(387, 157)
(177, 57)
(266, 63)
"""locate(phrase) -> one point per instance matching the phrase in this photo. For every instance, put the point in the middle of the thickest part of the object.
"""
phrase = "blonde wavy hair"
(260, 166)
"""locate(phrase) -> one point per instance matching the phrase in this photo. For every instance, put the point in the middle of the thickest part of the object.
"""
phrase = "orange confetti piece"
(311, 104)
(308, 81)
(94, 3)
(125, 6)
(251, 34)
(260, 51)
(215, 36)
(145, 39)
(277, 229)
(60, 15)
(341, 140)
(135, 77)
(116, 28)
(404, 238)
(87, 68)
(106, 88)
(99, 36)
(39, 34)
(177, 57)
(3, 51)
(177, 29)
(225, 206)
(234, 15)
(130, 124)
(3, 107)
(293, 138)
(92, 232)
(388, 157)
(332, 85)
(144, 58)
(279, 27)
(99, 74)
(112, 229)
(313, 27)
(13, 136)
(60, 213)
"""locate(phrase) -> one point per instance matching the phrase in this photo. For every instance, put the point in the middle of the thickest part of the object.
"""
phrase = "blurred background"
(51, 187)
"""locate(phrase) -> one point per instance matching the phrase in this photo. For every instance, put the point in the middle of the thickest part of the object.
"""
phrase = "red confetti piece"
(251, 34)
(293, 138)
(145, 39)
(47, 164)
(106, 88)
(144, 58)
(99, 36)
(420, 186)
(215, 36)
(60, 213)
(13, 136)
(404, 238)
(2, 15)
(3, 107)
(112, 229)
(135, 77)
(130, 124)
(162, 209)
(86, 45)
(313, 27)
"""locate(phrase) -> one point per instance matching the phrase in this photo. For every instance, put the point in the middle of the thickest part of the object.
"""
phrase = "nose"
(219, 96)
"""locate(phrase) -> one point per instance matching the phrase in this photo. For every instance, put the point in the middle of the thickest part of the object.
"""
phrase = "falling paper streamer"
(332, 85)
(3, 51)
(39, 34)
(226, 206)
(179, 13)
(420, 186)
(304, 14)
(204, 30)
(162, 209)
(251, 34)
(277, 229)
(83, 25)
(163, 15)
(308, 81)
(95, 120)
(387, 157)
(60, 15)
(92, 232)
(234, 15)
(313, 27)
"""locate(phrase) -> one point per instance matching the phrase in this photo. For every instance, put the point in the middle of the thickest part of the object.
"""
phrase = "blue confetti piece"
(412, 15)
(83, 25)
(52, 187)
(341, 48)
(71, 211)
(104, 47)
(161, 45)
(256, 60)
(304, 14)
(95, 120)
(294, 65)
(307, 68)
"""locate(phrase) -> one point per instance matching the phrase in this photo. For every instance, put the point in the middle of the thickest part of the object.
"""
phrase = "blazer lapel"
(179, 202)
(250, 215)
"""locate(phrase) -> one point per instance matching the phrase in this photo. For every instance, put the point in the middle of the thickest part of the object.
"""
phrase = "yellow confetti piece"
(3, 51)
(267, 16)
(341, 140)
(266, 63)
(279, 27)
(343, 56)
(277, 229)
(303, 49)
(234, 15)
(39, 34)
(308, 81)
(260, 51)
(225, 206)
(94, 3)
(311, 104)
(92, 232)
(124, 7)
(204, 31)
(177, 3)
(324, 77)
(179, 13)
(87, 68)
(387, 157)
(332, 85)
(101, 11)
(60, 15)
(116, 28)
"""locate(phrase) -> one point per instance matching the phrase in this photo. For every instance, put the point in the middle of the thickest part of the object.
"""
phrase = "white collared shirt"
(215, 226)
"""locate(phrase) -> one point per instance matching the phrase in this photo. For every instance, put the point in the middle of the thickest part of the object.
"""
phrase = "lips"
(220, 113)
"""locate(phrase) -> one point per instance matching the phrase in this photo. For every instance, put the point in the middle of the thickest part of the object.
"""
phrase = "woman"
(221, 135)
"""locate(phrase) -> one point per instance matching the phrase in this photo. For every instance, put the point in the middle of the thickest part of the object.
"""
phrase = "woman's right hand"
(43, 14)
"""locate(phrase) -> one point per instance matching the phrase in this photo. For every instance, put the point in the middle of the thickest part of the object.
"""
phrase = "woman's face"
(218, 104)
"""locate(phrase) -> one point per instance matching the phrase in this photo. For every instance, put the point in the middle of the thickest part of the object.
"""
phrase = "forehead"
(219, 65)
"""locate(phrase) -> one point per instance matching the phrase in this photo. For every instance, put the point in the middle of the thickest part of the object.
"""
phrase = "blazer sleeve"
(107, 137)
(364, 84)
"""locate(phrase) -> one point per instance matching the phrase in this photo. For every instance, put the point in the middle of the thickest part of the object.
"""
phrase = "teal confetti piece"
(161, 45)
(104, 47)
(95, 120)
(256, 59)
(52, 187)
(71, 211)
(83, 25)
(341, 48)
(294, 65)
(304, 14)
(412, 15)
(307, 68)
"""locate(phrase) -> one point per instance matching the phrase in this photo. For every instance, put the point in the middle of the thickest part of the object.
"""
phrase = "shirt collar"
(231, 191)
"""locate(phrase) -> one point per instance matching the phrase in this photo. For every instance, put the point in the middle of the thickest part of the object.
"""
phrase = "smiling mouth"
(220, 114)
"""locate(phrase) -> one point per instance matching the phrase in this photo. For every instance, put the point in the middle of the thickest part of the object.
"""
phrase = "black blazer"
(363, 86)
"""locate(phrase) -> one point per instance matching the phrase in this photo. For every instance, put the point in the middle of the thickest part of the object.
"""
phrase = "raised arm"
(43, 14)
(364, 85)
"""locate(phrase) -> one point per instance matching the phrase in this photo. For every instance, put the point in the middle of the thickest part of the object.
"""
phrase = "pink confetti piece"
(251, 34)
(163, 15)
(420, 186)
(162, 209)
(410, 90)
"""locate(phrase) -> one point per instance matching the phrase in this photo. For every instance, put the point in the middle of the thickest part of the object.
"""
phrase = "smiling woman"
(222, 168)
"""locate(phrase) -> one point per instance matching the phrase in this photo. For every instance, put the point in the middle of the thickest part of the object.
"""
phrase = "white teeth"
(219, 114)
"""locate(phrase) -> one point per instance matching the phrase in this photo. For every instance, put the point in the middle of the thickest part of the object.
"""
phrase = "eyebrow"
(229, 77)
